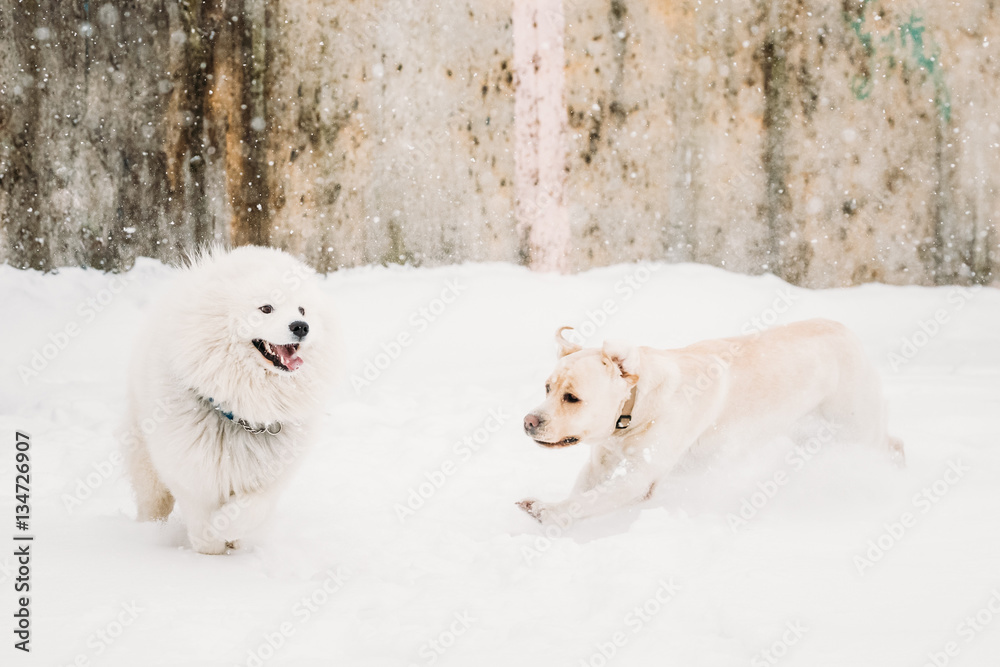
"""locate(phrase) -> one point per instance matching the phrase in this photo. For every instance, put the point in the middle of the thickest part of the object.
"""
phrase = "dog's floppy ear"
(625, 357)
(563, 346)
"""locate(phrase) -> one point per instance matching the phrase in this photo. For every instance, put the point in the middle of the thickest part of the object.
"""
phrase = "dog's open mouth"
(565, 442)
(282, 356)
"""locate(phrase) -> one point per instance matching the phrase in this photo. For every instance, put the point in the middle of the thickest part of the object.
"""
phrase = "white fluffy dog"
(226, 381)
(643, 409)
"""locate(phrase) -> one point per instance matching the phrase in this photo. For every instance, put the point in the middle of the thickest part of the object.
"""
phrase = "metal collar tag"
(626, 416)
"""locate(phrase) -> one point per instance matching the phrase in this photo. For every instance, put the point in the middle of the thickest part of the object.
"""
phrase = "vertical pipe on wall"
(539, 135)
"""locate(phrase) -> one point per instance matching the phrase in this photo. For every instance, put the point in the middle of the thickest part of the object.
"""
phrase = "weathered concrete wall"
(120, 129)
(392, 131)
(830, 143)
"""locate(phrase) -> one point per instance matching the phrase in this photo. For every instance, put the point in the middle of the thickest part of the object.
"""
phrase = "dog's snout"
(531, 423)
(299, 328)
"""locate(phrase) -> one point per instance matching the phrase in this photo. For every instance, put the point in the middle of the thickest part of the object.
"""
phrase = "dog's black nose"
(299, 328)
(531, 423)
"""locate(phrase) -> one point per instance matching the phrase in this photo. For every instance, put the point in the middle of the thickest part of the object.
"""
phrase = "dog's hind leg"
(154, 500)
(857, 412)
(896, 451)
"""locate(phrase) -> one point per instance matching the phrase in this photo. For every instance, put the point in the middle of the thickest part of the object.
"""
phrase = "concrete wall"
(830, 143)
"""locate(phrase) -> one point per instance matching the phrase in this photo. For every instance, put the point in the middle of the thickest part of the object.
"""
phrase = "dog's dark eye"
(302, 311)
(570, 398)
(547, 389)
(267, 310)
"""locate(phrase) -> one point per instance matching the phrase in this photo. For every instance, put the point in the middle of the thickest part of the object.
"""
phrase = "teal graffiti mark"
(907, 38)
(914, 30)
(862, 85)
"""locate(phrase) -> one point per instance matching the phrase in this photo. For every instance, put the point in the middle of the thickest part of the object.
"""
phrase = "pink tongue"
(288, 358)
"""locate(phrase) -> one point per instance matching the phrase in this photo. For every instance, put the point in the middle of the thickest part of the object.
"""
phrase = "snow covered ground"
(400, 544)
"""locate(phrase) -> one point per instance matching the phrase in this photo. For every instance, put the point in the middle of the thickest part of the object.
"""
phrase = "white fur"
(197, 345)
(752, 388)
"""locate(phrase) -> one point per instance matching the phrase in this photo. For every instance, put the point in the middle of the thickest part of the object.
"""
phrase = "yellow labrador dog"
(642, 409)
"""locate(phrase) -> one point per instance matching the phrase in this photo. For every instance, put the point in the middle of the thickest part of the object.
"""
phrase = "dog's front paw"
(206, 540)
(532, 507)
(209, 547)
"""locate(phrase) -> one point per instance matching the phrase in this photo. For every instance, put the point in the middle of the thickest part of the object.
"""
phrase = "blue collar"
(227, 415)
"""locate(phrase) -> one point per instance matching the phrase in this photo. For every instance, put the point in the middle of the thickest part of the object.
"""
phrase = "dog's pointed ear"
(563, 346)
(623, 356)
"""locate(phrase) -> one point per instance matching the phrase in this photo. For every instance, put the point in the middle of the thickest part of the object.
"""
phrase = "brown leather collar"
(626, 416)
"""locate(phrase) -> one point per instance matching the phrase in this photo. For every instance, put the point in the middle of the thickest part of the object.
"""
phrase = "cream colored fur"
(750, 388)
